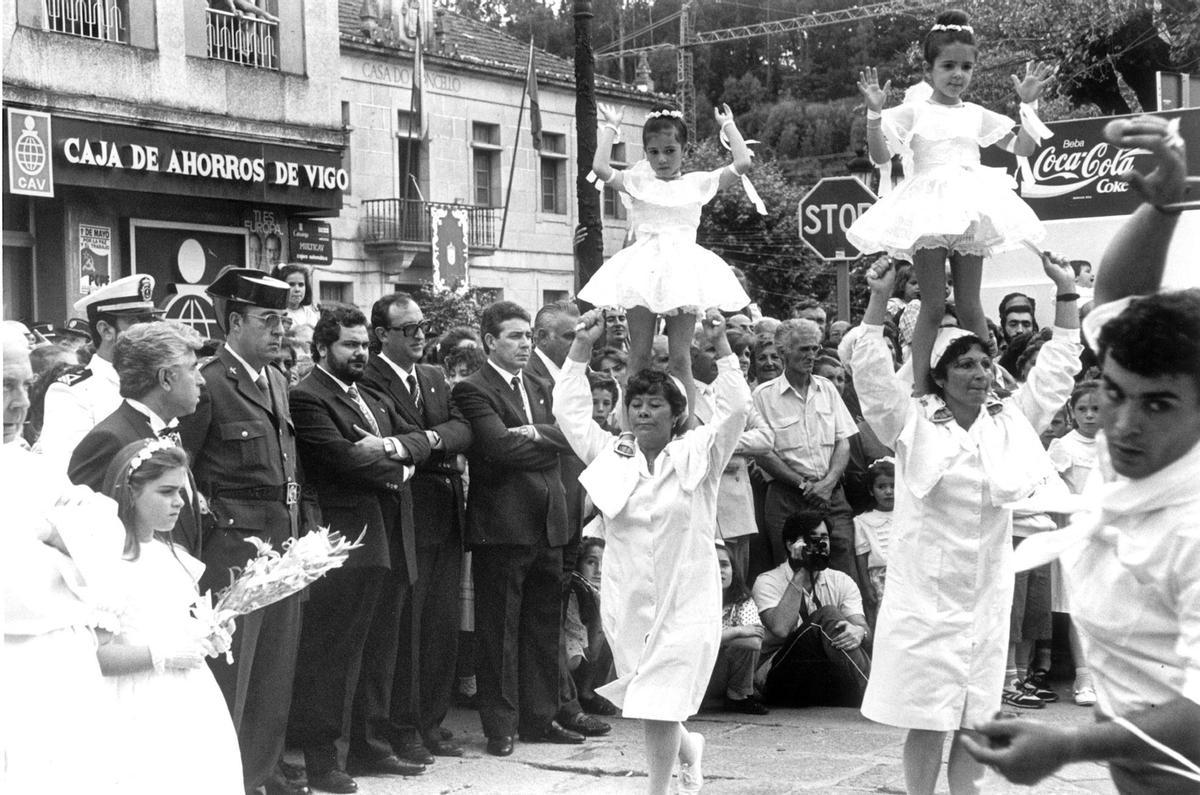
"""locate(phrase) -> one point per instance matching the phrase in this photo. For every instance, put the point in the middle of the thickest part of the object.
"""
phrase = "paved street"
(815, 750)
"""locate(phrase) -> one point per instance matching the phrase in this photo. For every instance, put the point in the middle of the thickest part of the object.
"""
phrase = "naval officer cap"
(248, 287)
(131, 296)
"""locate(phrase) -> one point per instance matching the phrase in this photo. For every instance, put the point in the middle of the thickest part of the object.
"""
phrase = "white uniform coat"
(943, 627)
(75, 404)
(661, 592)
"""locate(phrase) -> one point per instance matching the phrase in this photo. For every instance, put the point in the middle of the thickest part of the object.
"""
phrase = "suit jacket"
(356, 489)
(516, 494)
(570, 466)
(90, 460)
(439, 503)
(243, 448)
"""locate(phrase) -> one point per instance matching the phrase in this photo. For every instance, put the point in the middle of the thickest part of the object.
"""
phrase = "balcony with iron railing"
(243, 39)
(406, 223)
(101, 20)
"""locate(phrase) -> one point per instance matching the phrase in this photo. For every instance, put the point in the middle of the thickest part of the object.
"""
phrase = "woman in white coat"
(962, 456)
(661, 595)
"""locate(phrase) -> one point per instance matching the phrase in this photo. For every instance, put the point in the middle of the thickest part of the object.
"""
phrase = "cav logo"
(30, 166)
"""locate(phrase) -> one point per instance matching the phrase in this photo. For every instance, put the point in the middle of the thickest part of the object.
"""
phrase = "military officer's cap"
(76, 327)
(131, 295)
(247, 286)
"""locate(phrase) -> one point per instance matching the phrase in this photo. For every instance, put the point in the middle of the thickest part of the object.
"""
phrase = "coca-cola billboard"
(1074, 173)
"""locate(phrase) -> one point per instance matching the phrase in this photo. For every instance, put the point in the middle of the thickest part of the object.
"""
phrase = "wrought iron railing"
(242, 39)
(103, 20)
(407, 221)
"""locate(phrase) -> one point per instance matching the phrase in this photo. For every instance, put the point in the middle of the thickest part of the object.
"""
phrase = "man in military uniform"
(83, 396)
(243, 449)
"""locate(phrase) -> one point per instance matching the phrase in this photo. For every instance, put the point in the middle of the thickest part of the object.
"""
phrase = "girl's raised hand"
(868, 86)
(1037, 76)
(723, 115)
(610, 114)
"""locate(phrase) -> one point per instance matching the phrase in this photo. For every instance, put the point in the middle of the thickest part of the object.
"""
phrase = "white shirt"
(1074, 456)
(508, 379)
(871, 532)
(411, 372)
(551, 367)
(832, 587)
(157, 423)
(74, 405)
(804, 427)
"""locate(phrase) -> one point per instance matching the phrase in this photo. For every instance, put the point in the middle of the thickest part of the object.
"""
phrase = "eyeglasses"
(411, 329)
(272, 321)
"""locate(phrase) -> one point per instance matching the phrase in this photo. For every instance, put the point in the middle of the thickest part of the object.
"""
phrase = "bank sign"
(121, 157)
(30, 166)
(1074, 173)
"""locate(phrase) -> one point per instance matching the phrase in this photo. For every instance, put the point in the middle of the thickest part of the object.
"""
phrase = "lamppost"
(589, 251)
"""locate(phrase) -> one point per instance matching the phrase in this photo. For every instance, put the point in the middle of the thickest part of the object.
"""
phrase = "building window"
(485, 163)
(103, 20)
(248, 36)
(613, 206)
(408, 134)
(553, 296)
(554, 173)
(336, 292)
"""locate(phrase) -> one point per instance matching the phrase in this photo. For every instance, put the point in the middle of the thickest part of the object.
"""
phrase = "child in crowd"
(664, 272)
(1074, 456)
(168, 709)
(741, 642)
(588, 656)
(951, 209)
(605, 396)
(873, 529)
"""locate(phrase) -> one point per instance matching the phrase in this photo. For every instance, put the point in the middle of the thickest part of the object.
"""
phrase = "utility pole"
(589, 252)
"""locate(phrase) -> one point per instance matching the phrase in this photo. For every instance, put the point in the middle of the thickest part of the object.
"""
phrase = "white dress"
(660, 598)
(177, 732)
(664, 269)
(942, 631)
(951, 200)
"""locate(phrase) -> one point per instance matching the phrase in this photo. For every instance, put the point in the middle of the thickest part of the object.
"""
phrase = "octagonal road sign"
(828, 210)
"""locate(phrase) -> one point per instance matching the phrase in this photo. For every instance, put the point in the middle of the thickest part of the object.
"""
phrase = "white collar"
(508, 377)
(400, 371)
(103, 367)
(157, 423)
(551, 367)
(254, 374)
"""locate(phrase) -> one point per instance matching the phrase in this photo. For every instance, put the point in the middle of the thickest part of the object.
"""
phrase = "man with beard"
(359, 472)
(814, 616)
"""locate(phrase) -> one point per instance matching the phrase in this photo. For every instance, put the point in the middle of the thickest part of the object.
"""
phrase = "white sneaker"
(691, 779)
(1085, 696)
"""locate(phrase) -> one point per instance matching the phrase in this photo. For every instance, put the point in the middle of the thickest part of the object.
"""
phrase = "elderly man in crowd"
(1132, 565)
(810, 430)
(83, 397)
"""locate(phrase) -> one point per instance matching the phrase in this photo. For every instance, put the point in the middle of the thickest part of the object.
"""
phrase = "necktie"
(363, 408)
(516, 388)
(413, 391)
(262, 384)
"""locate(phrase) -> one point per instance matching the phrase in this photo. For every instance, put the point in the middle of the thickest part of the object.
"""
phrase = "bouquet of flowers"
(269, 577)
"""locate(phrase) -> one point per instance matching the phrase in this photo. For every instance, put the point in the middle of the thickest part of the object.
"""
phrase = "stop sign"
(827, 210)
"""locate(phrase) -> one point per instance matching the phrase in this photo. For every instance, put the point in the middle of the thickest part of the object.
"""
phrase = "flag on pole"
(535, 113)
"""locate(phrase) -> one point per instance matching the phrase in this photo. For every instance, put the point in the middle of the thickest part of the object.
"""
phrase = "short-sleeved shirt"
(804, 428)
(741, 614)
(832, 587)
(871, 533)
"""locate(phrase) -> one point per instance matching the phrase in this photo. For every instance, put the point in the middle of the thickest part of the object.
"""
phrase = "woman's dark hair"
(1027, 357)
(608, 353)
(603, 381)
(281, 272)
(879, 468)
(904, 274)
(663, 118)
(737, 590)
(937, 38)
(124, 484)
(455, 337)
(653, 382)
(1082, 390)
(955, 349)
(469, 357)
(1156, 336)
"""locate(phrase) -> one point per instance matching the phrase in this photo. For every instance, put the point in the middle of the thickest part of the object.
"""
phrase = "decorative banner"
(95, 252)
(30, 165)
(448, 233)
(311, 243)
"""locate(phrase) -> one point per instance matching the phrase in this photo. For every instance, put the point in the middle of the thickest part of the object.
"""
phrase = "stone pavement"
(820, 750)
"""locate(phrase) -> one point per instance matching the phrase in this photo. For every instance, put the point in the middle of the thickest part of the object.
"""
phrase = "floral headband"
(886, 459)
(658, 114)
(152, 447)
(967, 28)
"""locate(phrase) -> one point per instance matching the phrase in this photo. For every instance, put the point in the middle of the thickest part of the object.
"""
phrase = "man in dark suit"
(160, 382)
(358, 470)
(430, 609)
(553, 333)
(517, 526)
(243, 449)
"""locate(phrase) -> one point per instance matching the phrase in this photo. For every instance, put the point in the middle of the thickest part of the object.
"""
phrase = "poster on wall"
(95, 253)
(266, 238)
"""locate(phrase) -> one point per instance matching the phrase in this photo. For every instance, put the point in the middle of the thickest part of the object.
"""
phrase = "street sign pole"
(843, 289)
(825, 212)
